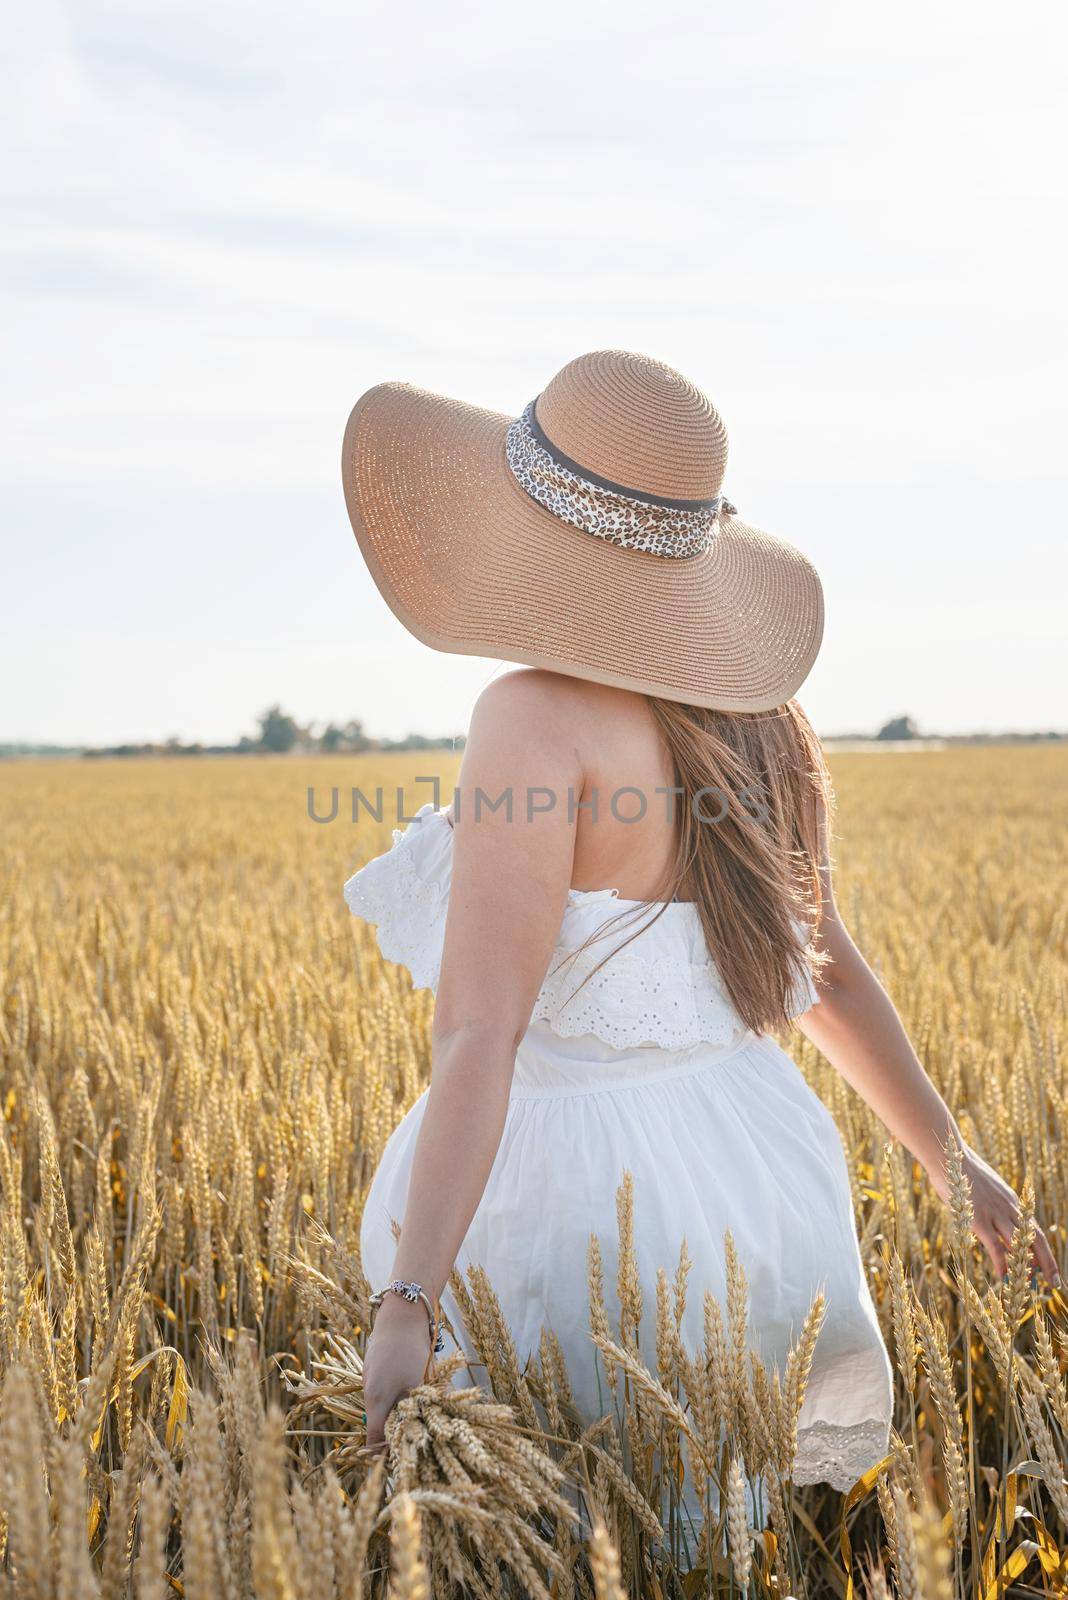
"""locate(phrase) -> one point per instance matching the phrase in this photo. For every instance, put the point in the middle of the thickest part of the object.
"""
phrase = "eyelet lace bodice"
(660, 988)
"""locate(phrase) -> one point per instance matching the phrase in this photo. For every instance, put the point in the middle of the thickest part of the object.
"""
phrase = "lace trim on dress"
(408, 912)
(636, 999)
(649, 992)
(839, 1454)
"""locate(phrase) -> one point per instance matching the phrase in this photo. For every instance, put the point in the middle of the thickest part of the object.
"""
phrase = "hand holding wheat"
(396, 1362)
(990, 1208)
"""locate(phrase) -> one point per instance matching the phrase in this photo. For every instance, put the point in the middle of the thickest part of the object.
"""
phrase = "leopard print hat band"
(626, 517)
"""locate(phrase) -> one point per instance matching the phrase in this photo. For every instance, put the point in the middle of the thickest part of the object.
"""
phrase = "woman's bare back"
(631, 846)
(623, 813)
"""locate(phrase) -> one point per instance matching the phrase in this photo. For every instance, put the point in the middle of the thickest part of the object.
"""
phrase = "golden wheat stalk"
(741, 1549)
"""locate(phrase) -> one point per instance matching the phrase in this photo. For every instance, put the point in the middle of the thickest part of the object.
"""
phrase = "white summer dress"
(649, 1069)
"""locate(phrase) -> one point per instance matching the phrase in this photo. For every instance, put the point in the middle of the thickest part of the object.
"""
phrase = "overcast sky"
(223, 221)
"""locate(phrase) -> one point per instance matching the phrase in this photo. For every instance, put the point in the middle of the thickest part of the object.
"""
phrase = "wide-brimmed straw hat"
(589, 535)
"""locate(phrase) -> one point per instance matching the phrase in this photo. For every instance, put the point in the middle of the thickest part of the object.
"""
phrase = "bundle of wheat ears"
(504, 1486)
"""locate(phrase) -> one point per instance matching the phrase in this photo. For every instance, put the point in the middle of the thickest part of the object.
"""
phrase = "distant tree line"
(281, 734)
(901, 729)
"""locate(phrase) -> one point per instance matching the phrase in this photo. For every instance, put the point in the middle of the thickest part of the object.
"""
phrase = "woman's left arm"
(512, 850)
(857, 1028)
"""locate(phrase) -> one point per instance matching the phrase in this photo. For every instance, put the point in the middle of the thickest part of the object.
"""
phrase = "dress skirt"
(715, 1138)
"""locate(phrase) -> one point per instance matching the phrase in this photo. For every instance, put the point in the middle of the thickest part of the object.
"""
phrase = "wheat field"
(203, 1055)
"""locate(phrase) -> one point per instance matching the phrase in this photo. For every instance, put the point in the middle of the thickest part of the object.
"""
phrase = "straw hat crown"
(636, 422)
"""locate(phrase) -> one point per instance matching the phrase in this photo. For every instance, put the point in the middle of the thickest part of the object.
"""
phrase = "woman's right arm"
(856, 1026)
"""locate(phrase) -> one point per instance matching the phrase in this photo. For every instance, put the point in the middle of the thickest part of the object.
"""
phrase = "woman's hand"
(395, 1362)
(996, 1211)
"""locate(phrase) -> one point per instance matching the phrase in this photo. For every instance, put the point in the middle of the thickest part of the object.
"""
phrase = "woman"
(630, 892)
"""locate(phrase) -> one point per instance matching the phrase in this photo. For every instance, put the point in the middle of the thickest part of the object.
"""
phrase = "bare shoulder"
(541, 730)
(553, 707)
(538, 737)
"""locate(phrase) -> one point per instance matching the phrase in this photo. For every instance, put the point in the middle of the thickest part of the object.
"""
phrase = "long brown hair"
(752, 789)
(754, 785)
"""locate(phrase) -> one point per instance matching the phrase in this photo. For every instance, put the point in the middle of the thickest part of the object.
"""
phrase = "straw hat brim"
(470, 564)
